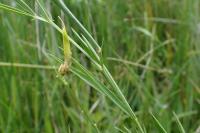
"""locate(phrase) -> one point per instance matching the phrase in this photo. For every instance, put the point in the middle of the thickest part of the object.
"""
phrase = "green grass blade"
(68, 12)
(15, 10)
(26, 6)
(179, 123)
(89, 78)
(159, 124)
(87, 47)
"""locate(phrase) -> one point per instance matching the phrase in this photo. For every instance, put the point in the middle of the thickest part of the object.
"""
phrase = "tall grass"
(155, 74)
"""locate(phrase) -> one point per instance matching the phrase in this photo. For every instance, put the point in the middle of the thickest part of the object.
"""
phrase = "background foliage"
(151, 47)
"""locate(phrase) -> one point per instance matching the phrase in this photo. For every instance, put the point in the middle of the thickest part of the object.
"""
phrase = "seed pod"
(66, 46)
(63, 69)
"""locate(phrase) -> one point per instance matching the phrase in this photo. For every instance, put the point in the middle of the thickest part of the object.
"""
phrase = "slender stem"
(8, 64)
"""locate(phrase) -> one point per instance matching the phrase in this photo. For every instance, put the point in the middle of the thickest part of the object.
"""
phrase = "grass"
(128, 59)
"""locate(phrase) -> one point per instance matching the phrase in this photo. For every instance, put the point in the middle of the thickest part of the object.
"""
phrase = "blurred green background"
(151, 47)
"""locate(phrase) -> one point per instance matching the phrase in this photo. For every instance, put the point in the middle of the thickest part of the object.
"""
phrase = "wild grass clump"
(115, 94)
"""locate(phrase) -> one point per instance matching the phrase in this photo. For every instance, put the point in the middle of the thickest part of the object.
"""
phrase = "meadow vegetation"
(105, 66)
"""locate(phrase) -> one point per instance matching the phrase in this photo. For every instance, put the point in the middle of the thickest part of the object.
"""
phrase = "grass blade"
(179, 123)
(68, 12)
(159, 124)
